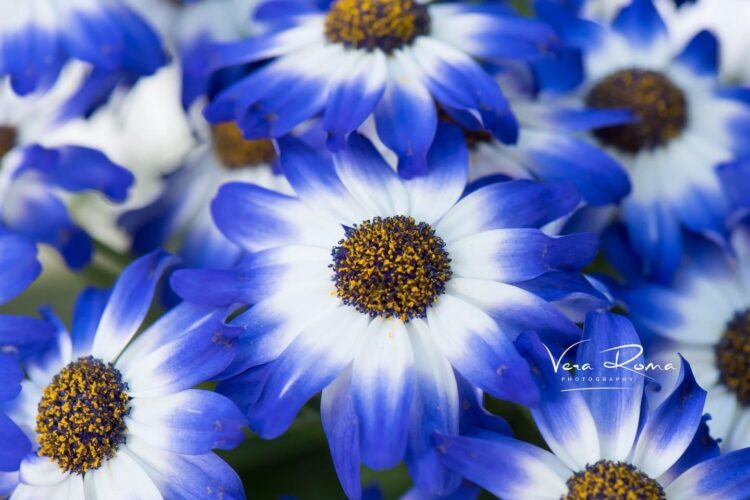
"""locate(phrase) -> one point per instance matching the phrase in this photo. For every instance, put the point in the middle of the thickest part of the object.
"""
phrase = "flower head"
(374, 289)
(104, 410)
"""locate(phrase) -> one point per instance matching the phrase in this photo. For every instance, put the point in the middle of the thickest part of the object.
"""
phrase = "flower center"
(384, 24)
(80, 419)
(733, 357)
(234, 151)
(7, 140)
(659, 105)
(391, 267)
(606, 479)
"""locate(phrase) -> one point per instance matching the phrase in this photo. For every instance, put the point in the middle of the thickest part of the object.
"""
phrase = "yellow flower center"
(234, 151)
(80, 419)
(391, 267)
(659, 105)
(733, 357)
(612, 480)
(382, 24)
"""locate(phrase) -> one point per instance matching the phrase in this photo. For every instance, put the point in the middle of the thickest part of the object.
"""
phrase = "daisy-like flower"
(604, 443)
(391, 59)
(220, 156)
(550, 145)
(38, 38)
(687, 124)
(36, 180)
(375, 289)
(109, 415)
(705, 316)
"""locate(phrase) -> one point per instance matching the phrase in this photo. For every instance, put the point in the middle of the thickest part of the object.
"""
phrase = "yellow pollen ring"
(607, 479)
(370, 24)
(80, 419)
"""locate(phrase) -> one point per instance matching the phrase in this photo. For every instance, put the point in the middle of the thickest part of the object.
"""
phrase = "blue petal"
(11, 376)
(512, 204)
(277, 219)
(27, 335)
(563, 417)
(735, 181)
(86, 316)
(703, 447)
(32, 57)
(571, 291)
(640, 23)
(406, 118)
(656, 237)
(599, 178)
(561, 71)
(383, 386)
(129, 303)
(43, 217)
(474, 418)
(244, 389)
(191, 422)
(504, 466)
(314, 178)
(721, 478)
(95, 90)
(341, 425)
(670, 428)
(19, 266)
(436, 409)
(191, 358)
(701, 54)
(620, 409)
(15, 445)
(354, 98)
(77, 168)
(312, 361)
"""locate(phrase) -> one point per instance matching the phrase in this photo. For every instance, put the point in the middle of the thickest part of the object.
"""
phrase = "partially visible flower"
(374, 289)
(37, 179)
(604, 443)
(687, 124)
(38, 38)
(551, 146)
(220, 156)
(391, 59)
(107, 413)
(705, 316)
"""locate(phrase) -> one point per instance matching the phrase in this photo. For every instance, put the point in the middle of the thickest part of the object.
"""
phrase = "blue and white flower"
(109, 414)
(705, 316)
(374, 289)
(387, 59)
(38, 178)
(688, 123)
(604, 443)
(38, 38)
(551, 146)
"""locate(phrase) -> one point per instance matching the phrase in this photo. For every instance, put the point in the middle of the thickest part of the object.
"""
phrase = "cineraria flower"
(38, 38)
(687, 125)
(107, 415)
(375, 289)
(391, 59)
(604, 443)
(550, 146)
(705, 316)
(33, 177)
(221, 155)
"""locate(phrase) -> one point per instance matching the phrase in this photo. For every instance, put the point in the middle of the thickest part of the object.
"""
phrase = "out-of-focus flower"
(551, 147)
(604, 443)
(220, 156)
(106, 414)
(37, 40)
(391, 59)
(705, 316)
(687, 124)
(39, 179)
(374, 289)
